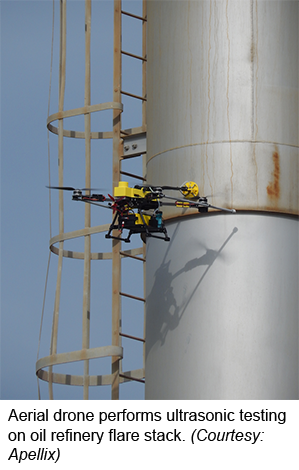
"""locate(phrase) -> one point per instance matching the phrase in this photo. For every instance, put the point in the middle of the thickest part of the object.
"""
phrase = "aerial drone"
(138, 209)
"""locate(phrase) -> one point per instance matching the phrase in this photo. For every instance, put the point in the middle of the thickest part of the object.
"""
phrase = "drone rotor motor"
(190, 190)
(77, 194)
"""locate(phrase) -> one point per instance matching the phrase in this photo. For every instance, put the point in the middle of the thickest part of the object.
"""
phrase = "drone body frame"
(138, 209)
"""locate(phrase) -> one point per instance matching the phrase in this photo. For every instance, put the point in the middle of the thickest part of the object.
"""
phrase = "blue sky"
(26, 35)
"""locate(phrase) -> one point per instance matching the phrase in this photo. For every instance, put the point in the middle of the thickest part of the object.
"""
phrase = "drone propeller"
(70, 188)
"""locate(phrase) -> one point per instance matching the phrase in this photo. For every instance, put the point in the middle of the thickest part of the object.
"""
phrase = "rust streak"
(273, 188)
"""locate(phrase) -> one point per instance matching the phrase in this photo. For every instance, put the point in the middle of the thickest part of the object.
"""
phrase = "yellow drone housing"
(123, 190)
(192, 190)
(139, 220)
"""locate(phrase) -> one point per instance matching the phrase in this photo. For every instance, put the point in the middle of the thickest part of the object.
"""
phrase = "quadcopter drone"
(138, 209)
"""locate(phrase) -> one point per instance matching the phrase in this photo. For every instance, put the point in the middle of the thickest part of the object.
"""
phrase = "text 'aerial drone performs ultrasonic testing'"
(138, 209)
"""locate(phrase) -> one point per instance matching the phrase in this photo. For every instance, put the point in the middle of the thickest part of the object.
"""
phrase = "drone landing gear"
(146, 225)
(143, 236)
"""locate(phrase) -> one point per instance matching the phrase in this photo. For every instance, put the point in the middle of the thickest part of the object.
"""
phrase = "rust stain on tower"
(273, 188)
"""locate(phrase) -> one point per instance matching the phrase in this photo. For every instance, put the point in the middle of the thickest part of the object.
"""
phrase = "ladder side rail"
(116, 244)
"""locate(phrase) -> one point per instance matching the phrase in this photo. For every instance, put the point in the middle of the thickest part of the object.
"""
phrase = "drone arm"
(94, 203)
(196, 204)
(232, 211)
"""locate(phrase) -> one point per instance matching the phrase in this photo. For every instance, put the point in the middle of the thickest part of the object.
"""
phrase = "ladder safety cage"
(135, 136)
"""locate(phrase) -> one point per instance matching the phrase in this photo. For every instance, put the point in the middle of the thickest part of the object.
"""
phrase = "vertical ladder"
(126, 144)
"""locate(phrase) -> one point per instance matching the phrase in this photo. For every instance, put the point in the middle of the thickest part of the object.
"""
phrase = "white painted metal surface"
(222, 309)
(223, 111)
(223, 100)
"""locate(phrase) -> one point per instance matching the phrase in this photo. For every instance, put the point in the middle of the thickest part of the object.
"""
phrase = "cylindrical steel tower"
(222, 295)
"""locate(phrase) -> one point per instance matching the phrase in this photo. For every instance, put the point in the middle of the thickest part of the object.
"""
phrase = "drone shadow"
(168, 317)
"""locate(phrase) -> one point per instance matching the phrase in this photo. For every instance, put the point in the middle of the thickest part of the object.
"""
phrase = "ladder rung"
(133, 55)
(133, 16)
(132, 378)
(123, 253)
(132, 337)
(132, 296)
(132, 175)
(133, 96)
